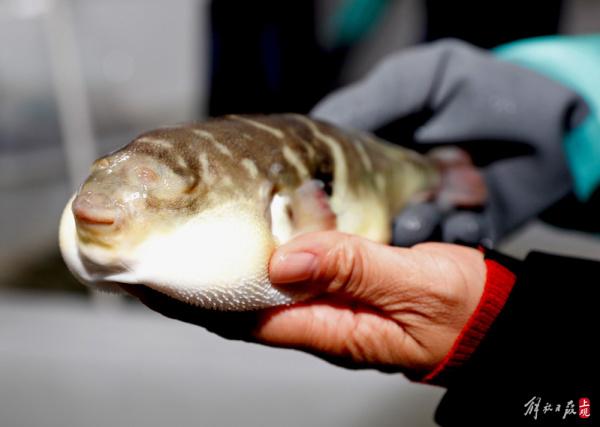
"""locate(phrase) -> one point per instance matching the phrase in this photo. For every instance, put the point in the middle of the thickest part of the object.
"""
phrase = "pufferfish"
(195, 211)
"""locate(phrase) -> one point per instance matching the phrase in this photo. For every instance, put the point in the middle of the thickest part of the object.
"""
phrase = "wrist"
(449, 286)
(499, 282)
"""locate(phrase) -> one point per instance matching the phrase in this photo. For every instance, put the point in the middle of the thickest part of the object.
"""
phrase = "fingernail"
(292, 267)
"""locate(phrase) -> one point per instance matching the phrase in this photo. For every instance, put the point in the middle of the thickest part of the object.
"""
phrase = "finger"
(464, 227)
(326, 328)
(345, 334)
(417, 223)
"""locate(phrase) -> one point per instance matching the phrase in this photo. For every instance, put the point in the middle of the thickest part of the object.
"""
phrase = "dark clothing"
(491, 23)
(265, 57)
(543, 344)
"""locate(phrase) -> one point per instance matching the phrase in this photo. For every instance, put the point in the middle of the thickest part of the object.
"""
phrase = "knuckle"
(357, 348)
(360, 342)
(347, 265)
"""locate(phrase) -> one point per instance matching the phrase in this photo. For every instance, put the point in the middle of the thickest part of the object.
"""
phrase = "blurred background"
(79, 78)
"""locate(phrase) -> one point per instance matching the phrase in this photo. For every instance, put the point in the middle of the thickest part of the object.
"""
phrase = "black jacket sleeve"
(542, 346)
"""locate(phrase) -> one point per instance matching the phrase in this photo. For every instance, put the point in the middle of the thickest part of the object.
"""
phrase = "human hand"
(512, 120)
(364, 304)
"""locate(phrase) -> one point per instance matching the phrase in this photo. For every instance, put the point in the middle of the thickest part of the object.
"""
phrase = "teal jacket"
(575, 62)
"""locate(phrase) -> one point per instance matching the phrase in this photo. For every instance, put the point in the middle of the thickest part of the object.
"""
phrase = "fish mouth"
(80, 248)
(95, 214)
(94, 219)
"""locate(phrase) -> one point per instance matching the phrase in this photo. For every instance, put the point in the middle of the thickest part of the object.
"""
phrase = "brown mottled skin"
(244, 140)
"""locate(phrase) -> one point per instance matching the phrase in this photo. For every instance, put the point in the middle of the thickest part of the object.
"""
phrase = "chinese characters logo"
(536, 407)
(584, 408)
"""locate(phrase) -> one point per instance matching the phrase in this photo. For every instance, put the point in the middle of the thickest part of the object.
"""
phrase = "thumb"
(335, 262)
(351, 284)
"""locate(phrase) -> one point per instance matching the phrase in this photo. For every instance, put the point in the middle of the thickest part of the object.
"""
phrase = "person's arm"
(574, 61)
(510, 118)
(491, 329)
(542, 344)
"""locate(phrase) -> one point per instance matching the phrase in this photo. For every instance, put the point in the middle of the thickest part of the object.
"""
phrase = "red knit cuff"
(499, 283)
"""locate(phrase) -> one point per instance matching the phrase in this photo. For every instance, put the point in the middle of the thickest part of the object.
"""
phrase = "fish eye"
(158, 181)
(147, 175)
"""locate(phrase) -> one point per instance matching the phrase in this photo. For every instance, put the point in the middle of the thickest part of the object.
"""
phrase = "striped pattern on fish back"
(235, 153)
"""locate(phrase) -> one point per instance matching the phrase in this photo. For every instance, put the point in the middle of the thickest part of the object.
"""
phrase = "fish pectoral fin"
(310, 209)
(302, 210)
